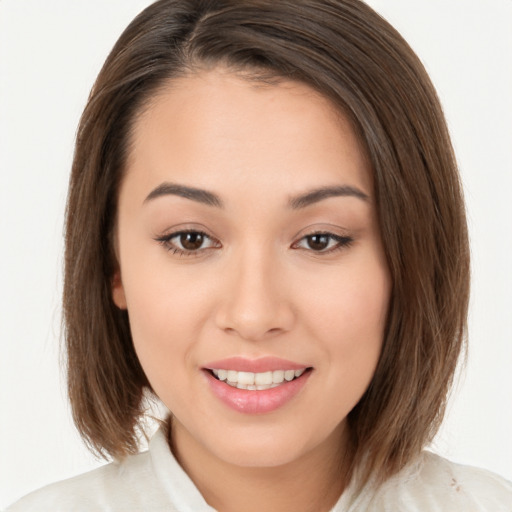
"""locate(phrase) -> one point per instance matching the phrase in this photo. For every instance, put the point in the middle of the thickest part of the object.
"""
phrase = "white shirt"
(153, 481)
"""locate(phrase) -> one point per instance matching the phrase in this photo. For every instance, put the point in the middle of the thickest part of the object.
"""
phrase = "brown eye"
(191, 241)
(323, 242)
(188, 243)
(318, 242)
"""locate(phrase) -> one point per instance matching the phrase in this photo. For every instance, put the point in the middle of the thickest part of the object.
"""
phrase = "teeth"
(263, 378)
(289, 374)
(246, 378)
(257, 381)
(278, 376)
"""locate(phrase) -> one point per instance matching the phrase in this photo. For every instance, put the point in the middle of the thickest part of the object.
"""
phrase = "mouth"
(256, 386)
(261, 381)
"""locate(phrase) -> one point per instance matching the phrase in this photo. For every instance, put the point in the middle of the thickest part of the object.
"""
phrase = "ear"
(118, 295)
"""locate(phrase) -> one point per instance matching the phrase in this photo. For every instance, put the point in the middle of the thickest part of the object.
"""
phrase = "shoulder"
(127, 485)
(152, 481)
(478, 486)
(435, 484)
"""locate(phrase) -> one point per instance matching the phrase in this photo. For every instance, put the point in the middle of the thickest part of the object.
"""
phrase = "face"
(251, 266)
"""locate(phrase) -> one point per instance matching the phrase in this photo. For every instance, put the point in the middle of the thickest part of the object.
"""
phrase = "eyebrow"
(319, 194)
(296, 202)
(195, 194)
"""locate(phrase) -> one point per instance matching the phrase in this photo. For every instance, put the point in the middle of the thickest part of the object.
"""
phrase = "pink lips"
(263, 364)
(255, 402)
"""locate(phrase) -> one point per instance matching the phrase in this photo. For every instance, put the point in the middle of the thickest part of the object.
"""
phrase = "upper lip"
(260, 365)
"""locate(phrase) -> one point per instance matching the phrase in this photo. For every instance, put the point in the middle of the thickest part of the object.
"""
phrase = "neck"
(312, 483)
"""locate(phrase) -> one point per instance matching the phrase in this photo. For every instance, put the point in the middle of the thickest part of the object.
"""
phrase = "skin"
(256, 287)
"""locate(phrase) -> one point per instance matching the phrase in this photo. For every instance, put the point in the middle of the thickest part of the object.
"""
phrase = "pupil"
(318, 242)
(191, 241)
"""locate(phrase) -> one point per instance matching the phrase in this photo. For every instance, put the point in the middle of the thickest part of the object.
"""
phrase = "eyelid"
(344, 239)
(165, 240)
(341, 243)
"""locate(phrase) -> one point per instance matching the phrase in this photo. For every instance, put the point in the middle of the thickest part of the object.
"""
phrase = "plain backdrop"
(50, 53)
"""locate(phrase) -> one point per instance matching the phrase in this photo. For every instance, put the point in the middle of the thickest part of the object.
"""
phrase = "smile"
(256, 381)
(257, 392)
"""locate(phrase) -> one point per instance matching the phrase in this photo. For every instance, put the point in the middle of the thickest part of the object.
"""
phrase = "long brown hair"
(348, 53)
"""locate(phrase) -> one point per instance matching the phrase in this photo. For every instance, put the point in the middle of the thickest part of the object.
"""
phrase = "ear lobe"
(118, 295)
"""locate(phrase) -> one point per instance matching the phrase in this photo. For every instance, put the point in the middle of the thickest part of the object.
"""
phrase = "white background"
(50, 53)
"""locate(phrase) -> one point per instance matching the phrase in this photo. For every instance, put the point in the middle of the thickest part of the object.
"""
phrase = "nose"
(256, 304)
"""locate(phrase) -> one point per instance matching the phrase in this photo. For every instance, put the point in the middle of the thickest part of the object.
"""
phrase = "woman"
(265, 230)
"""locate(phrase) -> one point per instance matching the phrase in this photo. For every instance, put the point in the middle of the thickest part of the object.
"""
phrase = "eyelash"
(342, 242)
(166, 241)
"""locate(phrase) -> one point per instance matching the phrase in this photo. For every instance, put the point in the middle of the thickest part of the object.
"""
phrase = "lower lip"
(256, 402)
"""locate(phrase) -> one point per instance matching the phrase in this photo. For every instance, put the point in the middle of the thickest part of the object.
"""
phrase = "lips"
(263, 364)
(256, 386)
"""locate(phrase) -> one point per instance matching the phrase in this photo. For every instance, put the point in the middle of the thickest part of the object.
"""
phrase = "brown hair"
(351, 55)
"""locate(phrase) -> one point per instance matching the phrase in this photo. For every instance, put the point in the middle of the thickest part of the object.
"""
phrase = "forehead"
(208, 124)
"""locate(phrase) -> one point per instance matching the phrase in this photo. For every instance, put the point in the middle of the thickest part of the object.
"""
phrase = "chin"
(266, 446)
(257, 455)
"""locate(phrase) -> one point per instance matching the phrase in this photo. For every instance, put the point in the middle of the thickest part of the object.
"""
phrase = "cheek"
(161, 322)
(348, 317)
(357, 332)
(352, 303)
(168, 312)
